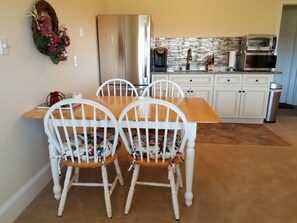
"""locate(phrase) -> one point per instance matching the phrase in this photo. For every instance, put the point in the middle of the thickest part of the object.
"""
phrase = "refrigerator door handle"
(146, 48)
(145, 71)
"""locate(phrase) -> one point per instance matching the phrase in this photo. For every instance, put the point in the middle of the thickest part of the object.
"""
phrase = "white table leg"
(55, 170)
(190, 156)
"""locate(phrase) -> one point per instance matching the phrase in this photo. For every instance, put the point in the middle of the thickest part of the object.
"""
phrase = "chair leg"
(76, 174)
(173, 193)
(119, 172)
(65, 191)
(179, 176)
(106, 192)
(132, 188)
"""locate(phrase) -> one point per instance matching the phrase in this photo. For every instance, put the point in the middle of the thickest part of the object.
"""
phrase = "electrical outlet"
(3, 46)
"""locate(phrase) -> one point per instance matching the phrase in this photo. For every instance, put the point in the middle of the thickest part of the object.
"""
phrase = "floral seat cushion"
(136, 149)
(81, 146)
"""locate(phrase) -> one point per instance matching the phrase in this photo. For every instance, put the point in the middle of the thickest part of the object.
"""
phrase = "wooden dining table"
(196, 111)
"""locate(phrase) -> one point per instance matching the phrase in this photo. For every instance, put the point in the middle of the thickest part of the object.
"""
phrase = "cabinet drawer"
(156, 77)
(228, 80)
(193, 80)
(256, 80)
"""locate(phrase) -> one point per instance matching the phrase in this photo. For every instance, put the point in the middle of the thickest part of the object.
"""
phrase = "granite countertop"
(216, 72)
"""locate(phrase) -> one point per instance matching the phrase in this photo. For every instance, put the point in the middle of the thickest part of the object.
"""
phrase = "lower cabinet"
(241, 96)
(156, 77)
(195, 85)
(234, 97)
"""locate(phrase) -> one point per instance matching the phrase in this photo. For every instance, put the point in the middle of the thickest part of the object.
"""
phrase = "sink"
(189, 71)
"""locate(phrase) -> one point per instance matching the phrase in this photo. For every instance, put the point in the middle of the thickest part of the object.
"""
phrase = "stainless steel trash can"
(273, 102)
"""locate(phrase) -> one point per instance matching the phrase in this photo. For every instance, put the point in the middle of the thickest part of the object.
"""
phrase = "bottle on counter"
(212, 59)
(210, 62)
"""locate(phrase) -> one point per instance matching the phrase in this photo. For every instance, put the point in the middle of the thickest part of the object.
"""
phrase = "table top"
(195, 109)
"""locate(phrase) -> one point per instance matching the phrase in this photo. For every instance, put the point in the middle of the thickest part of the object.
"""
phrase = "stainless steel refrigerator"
(124, 48)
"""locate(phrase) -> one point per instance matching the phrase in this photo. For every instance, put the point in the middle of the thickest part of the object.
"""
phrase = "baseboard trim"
(11, 209)
(242, 120)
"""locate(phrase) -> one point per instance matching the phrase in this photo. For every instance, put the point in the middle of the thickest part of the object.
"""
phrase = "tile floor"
(232, 184)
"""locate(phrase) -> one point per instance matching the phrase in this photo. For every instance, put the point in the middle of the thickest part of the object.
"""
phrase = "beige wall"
(26, 76)
(203, 18)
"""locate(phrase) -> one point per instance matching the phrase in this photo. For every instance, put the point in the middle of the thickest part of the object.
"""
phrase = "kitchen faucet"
(189, 57)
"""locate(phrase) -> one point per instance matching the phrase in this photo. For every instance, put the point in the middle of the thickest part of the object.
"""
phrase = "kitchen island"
(235, 96)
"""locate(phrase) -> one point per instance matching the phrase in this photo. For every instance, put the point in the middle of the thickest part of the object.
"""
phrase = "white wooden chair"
(163, 88)
(68, 132)
(154, 143)
(117, 87)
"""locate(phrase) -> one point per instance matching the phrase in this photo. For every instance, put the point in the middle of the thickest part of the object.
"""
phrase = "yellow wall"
(203, 18)
(26, 76)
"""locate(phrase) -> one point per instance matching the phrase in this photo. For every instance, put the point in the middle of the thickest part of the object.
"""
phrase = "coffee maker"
(159, 59)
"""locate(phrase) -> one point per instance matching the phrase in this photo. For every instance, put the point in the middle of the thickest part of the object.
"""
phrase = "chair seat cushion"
(81, 146)
(136, 149)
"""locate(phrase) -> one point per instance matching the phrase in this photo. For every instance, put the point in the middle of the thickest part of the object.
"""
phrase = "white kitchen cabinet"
(235, 97)
(241, 96)
(195, 85)
(156, 77)
(226, 98)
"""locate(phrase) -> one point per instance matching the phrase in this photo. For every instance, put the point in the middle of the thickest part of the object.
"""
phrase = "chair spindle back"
(67, 124)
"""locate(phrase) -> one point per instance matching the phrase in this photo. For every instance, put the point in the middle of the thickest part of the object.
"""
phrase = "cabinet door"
(198, 92)
(196, 85)
(254, 96)
(202, 92)
(156, 77)
(253, 102)
(226, 96)
(226, 101)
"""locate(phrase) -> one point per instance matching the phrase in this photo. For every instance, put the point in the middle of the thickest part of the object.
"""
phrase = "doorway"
(287, 54)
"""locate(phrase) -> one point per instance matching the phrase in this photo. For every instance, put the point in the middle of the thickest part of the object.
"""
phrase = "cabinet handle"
(188, 91)
(228, 80)
(243, 91)
(239, 91)
(190, 80)
(257, 80)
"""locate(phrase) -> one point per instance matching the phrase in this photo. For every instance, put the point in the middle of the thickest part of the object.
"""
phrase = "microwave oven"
(256, 61)
(258, 42)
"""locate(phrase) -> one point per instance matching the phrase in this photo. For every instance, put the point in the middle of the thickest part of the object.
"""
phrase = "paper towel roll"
(232, 58)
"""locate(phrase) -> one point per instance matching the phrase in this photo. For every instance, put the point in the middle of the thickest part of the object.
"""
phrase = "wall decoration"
(49, 38)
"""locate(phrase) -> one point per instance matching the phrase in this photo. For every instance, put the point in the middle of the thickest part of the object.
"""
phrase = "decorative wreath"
(49, 38)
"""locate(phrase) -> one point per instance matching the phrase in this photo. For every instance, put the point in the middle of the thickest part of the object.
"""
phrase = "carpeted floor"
(232, 184)
(235, 134)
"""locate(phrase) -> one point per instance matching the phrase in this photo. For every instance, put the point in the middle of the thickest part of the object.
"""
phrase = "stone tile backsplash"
(201, 48)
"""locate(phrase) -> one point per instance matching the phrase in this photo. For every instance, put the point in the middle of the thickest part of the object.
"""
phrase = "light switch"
(75, 61)
(81, 33)
(3, 46)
